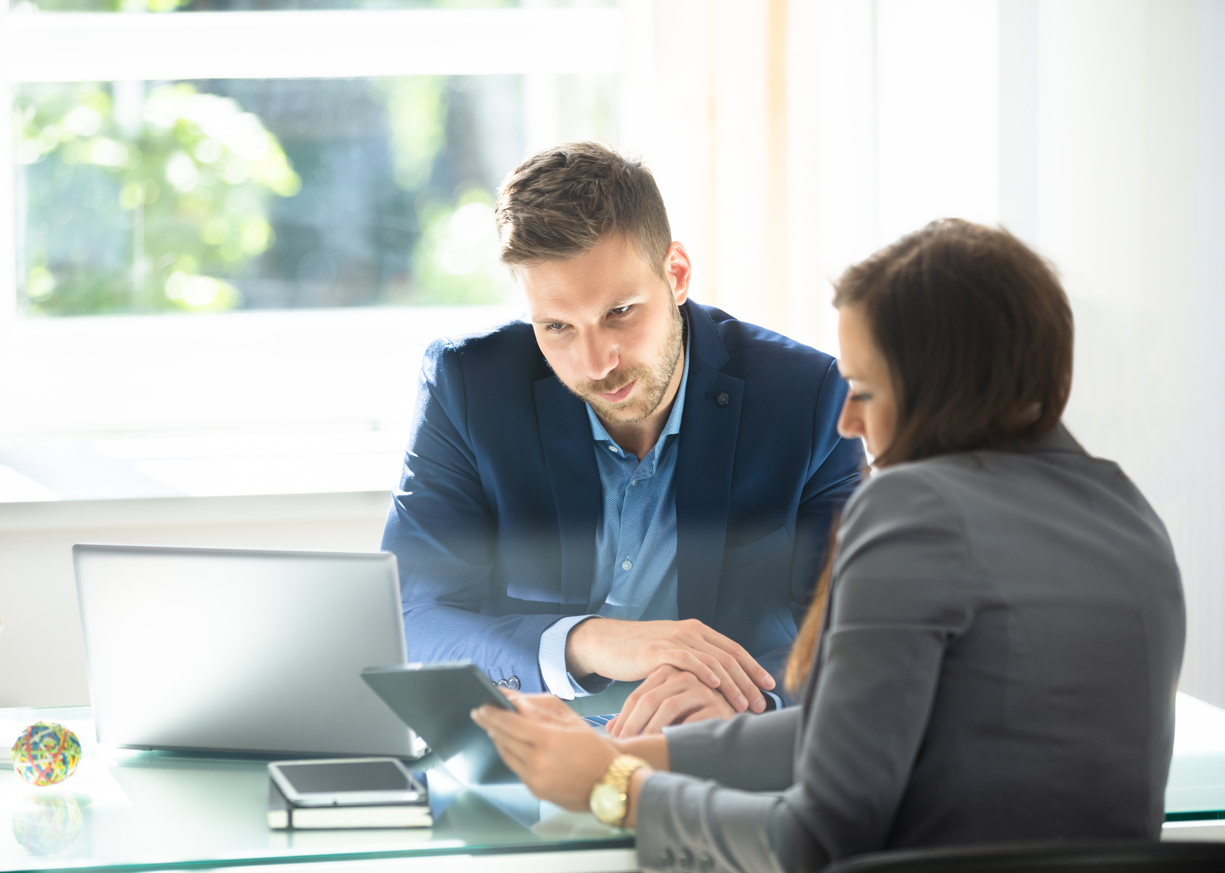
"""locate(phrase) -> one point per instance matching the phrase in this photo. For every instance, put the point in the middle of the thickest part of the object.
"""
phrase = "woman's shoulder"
(915, 489)
(998, 493)
(902, 514)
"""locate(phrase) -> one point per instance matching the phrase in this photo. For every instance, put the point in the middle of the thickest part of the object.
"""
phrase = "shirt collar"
(671, 427)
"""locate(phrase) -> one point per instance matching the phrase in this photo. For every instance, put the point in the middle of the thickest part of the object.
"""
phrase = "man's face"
(608, 325)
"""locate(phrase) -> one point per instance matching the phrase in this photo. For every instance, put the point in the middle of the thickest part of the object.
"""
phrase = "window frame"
(539, 43)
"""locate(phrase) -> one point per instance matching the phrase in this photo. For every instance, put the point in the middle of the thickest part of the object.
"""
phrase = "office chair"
(1044, 858)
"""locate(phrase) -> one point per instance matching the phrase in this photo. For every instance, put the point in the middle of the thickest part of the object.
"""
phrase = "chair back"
(1137, 857)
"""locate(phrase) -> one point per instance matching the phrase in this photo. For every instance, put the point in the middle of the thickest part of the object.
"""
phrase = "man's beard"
(652, 381)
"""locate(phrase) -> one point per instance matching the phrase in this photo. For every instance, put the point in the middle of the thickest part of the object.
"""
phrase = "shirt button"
(612, 448)
(513, 683)
(502, 683)
(627, 564)
(634, 482)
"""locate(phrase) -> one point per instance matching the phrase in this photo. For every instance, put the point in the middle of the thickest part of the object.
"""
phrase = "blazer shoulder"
(748, 343)
(902, 494)
(506, 351)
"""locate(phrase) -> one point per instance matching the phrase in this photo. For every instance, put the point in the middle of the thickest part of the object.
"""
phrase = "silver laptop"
(238, 650)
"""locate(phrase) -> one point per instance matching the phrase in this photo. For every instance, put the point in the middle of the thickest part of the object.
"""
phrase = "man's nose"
(599, 356)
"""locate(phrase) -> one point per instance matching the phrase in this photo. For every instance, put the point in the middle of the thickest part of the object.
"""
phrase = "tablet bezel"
(344, 798)
(440, 698)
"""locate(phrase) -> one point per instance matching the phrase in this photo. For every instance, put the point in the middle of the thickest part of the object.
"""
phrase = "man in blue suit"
(632, 486)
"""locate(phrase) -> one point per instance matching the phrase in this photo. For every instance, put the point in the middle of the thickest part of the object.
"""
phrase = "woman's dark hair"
(977, 333)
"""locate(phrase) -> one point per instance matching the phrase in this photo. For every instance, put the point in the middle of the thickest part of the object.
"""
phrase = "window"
(235, 223)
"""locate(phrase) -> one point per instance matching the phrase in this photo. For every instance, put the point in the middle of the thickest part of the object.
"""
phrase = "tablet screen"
(335, 777)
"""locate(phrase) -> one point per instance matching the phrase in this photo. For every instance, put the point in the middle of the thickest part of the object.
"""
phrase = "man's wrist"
(552, 657)
(576, 662)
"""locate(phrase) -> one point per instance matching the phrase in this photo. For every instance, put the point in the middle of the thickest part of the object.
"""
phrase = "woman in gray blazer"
(993, 652)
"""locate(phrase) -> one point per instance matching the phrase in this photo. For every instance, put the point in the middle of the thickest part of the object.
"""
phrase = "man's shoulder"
(509, 350)
(750, 346)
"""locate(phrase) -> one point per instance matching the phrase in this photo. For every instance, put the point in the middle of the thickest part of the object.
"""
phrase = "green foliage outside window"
(192, 175)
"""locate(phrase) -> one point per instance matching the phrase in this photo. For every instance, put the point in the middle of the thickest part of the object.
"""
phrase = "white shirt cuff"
(553, 658)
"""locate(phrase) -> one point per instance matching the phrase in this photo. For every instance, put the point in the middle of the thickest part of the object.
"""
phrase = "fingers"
(659, 677)
(707, 666)
(506, 724)
(666, 697)
(547, 709)
(513, 754)
(757, 673)
(704, 714)
(748, 676)
(734, 685)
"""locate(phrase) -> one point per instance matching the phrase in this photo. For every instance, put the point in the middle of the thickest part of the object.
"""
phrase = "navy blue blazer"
(494, 521)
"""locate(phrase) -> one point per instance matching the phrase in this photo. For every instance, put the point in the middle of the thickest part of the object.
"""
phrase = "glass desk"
(126, 811)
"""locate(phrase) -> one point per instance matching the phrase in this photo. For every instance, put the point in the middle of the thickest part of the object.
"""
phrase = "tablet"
(346, 782)
(436, 700)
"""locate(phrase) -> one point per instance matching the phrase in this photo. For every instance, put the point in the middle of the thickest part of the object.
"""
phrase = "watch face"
(608, 804)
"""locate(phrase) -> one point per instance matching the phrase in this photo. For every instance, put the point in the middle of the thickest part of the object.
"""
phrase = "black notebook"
(283, 815)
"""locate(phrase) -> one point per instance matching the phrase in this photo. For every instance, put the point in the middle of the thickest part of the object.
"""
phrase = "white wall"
(1128, 194)
(1095, 131)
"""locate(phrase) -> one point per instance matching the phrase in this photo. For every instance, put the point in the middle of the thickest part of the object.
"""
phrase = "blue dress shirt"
(635, 555)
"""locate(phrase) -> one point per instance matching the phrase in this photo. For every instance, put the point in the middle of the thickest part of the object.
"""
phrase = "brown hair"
(977, 333)
(560, 202)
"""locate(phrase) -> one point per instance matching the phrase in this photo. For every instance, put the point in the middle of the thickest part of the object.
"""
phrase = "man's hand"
(631, 650)
(668, 696)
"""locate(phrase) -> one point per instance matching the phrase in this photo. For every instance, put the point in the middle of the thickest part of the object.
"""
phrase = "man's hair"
(560, 202)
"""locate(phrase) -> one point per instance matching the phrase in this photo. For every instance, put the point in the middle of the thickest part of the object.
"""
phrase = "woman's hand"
(556, 754)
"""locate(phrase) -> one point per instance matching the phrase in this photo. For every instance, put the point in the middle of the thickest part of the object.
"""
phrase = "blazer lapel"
(565, 437)
(709, 427)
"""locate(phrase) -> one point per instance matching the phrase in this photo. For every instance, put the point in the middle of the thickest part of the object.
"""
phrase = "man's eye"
(555, 327)
(621, 310)
(861, 397)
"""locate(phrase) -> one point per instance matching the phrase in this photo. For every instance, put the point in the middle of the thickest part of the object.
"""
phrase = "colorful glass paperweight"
(46, 753)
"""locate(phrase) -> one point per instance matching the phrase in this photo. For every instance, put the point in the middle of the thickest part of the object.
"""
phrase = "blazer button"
(706, 864)
(722, 399)
(513, 683)
(685, 860)
(667, 859)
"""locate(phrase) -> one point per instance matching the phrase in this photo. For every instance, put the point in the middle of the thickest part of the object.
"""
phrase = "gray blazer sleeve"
(901, 583)
(750, 752)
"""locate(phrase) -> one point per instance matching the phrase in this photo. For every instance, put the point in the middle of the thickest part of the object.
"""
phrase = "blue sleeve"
(443, 531)
(835, 470)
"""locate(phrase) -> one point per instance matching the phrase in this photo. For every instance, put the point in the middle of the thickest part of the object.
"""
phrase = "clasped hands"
(690, 672)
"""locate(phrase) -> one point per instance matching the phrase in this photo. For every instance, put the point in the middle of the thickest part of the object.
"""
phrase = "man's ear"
(678, 270)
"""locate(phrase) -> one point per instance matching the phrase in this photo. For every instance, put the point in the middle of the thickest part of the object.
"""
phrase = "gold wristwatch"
(610, 795)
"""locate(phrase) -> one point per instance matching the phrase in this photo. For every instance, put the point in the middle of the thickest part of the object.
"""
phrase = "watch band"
(609, 798)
